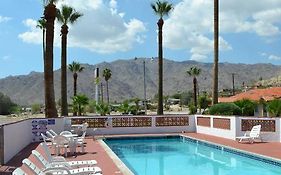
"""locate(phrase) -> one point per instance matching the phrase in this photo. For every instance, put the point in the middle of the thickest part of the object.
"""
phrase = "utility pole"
(97, 84)
(233, 88)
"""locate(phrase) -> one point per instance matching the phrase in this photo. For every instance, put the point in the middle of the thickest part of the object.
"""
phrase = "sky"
(250, 32)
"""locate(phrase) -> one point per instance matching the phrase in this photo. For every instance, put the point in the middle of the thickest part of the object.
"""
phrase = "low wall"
(136, 124)
(220, 126)
(17, 135)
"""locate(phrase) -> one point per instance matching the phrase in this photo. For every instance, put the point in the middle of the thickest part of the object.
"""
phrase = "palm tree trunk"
(74, 89)
(64, 31)
(49, 14)
(45, 70)
(195, 91)
(75, 76)
(107, 92)
(160, 24)
(216, 52)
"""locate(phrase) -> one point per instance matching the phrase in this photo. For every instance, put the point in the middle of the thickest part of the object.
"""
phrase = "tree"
(79, 102)
(216, 52)
(75, 68)
(274, 107)
(6, 105)
(247, 107)
(107, 75)
(65, 15)
(49, 16)
(161, 9)
(203, 102)
(41, 24)
(194, 72)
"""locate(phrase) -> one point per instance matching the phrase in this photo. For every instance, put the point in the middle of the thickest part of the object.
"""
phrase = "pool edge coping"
(121, 165)
(236, 149)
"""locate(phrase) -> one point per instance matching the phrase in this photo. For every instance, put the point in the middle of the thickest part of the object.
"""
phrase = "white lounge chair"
(51, 158)
(19, 171)
(69, 164)
(254, 134)
(53, 132)
(61, 169)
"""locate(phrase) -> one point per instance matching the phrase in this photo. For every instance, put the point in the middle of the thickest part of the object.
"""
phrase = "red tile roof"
(255, 95)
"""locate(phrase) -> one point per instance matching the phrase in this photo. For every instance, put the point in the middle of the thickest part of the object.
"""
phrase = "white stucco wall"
(229, 134)
(16, 137)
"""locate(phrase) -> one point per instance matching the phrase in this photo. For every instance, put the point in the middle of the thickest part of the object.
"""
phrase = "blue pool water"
(177, 155)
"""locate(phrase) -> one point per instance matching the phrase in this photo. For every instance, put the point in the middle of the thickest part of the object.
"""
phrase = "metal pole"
(144, 88)
(233, 88)
(97, 85)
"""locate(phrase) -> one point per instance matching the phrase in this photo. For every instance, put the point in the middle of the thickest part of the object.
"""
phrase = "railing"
(221, 123)
(267, 125)
(204, 121)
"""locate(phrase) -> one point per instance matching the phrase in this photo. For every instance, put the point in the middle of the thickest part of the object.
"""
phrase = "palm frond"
(73, 18)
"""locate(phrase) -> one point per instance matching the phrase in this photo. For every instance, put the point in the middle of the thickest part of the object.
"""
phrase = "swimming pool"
(177, 155)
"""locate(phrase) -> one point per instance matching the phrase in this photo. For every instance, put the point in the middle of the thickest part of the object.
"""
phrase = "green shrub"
(247, 107)
(225, 109)
(6, 105)
(35, 108)
(274, 108)
(102, 109)
(203, 102)
(192, 109)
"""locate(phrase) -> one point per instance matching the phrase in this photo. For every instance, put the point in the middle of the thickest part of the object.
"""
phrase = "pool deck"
(94, 150)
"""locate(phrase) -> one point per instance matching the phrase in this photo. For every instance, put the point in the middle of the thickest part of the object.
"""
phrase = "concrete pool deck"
(95, 150)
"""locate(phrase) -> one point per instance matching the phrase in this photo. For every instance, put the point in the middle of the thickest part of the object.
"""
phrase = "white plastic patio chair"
(80, 141)
(53, 159)
(60, 142)
(19, 171)
(253, 135)
(53, 132)
(61, 169)
(65, 133)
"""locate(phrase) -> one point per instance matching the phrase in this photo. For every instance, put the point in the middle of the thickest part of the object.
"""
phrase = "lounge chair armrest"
(56, 169)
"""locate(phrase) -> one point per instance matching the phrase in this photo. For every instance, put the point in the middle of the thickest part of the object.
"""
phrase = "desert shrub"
(91, 107)
(274, 108)
(6, 105)
(35, 108)
(102, 109)
(247, 107)
(126, 108)
(203, 102)
(192, 109)
(225, 109)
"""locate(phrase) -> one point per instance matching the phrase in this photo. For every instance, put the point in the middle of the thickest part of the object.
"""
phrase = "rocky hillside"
(127, 79)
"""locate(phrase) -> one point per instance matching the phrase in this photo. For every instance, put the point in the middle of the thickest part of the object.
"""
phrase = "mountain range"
(127, 79)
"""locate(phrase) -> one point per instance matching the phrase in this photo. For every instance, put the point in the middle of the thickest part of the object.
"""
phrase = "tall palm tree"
(107, 75)
(65, 15)
(161, 9)
(41, 24)
(49, 16)
(194, 72)
(216, 52)
(75, 68)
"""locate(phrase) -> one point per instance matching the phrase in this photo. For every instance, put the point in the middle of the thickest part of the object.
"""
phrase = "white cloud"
(6, 58)
(274, 57)
(100, 29)
(190, 25)
(4, 19)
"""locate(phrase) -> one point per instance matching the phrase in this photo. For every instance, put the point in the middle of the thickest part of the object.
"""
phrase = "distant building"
(257, 95)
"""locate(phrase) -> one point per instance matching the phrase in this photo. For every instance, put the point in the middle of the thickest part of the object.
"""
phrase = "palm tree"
(41, 24)
(216, 52)
(161, 9)
(194, 72)
(75, 68)
(65, 15)
(107, 75)
(49, 16)
(79, 102)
